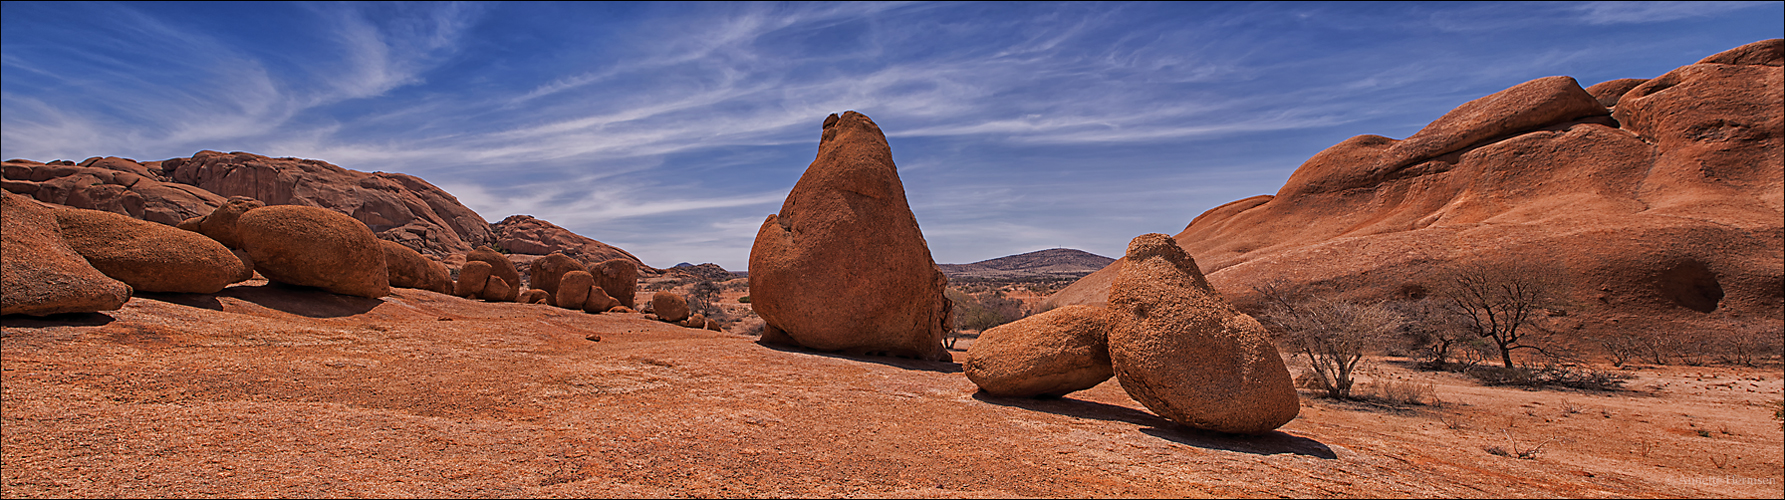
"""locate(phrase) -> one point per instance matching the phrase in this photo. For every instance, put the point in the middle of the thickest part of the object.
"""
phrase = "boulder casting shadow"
(1269, 443)
(59, 319)
(906, 363)
(300, 300)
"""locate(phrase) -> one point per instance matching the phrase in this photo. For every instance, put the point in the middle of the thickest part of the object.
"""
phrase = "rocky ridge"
(1050, 263)
(1664, 209)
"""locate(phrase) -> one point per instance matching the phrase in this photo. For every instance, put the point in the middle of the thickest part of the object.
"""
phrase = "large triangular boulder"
(843, 266)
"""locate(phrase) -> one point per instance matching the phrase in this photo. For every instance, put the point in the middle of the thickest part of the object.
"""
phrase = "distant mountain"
(708, 271)
(1050, 263)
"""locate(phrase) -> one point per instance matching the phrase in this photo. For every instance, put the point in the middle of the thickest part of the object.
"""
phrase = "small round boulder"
(669, 306)
(1046, 355)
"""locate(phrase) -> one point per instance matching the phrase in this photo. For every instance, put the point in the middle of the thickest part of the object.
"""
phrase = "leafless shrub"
(1505, 303)
(983, 310)
(1748, 345)
(1560, 375)
(1430, 333)
(1514, 450)
(1454, 422)
(1400, 392)
(1623, 348)
(1331, 336)
(1569, 408)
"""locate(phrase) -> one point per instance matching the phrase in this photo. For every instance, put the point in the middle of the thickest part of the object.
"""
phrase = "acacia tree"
(1502, 303)
(1332, 335)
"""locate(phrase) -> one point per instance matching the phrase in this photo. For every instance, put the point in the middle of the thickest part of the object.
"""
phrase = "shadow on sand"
(906, 363)
(1270, 443)
(300, 300)
(63, 319)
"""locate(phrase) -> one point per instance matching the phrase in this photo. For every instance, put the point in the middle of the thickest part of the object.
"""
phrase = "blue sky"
(672, 130)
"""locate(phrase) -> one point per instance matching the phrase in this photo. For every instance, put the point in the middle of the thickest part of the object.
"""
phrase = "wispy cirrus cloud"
(158, 84)
(1654, 12)
(673, 128)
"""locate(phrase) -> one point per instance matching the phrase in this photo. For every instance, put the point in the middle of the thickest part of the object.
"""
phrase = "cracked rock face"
(843, 266)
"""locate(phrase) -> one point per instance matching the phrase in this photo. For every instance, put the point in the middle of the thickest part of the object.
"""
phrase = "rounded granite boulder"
(317, 247)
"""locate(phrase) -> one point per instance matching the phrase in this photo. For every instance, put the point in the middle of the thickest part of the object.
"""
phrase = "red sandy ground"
(264, 390)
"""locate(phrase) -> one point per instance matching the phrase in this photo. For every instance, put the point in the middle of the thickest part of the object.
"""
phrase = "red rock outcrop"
(599, 301)
(473, 276)
(220, 224)
(524, 234)
(574, 289)
(1608, 92)
(111, 184)
(500, 267)
(147, 256)
(843, 266)
(397, 207)
(1666, 214)
(317, 247)
(544, 273)
(498, 290)
(40, 274)
(619, 277)
(704, 272)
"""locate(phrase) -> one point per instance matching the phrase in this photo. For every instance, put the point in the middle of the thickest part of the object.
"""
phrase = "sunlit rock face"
(843, 266)
(1664, 211)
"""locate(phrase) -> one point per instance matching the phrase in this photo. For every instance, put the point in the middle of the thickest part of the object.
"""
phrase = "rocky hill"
(397, 207)
(708, 272)
(1050, 263)
(529, 236)
(1659, 200)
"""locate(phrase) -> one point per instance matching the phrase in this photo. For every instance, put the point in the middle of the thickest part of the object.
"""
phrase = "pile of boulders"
(1167, 337)
(80, 260)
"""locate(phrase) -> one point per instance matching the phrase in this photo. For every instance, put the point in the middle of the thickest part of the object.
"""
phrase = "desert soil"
(264, 390)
